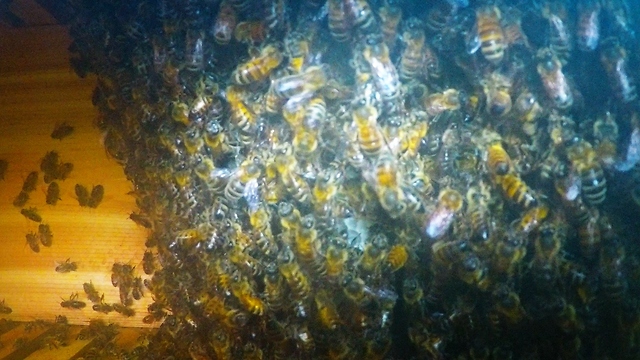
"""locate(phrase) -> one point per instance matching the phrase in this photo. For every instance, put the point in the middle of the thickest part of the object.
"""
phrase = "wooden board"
(38, 89)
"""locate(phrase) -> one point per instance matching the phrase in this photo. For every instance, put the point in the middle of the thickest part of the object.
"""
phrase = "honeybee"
(21, 199)
(386, 182)
(373, 254)
(449, 204)
(258, 68)
(297, 47)
(390, 14)
(507, 303)
(508, 254)
(325, 189)
(378, 346)
(496, 89)
(137, 288)
(550, 240)
(529, 110)
(31, 214)
(62, 172)
(478, 198)
(30, 182)
(121, 274)
(588, 25)
(141, 220)
(242, 117)
(97, 193)
(336, 259)
(441, 15)
(339, 23)
(488, 35)
(221, 343)
(188, 238)
(412, 292)
(615, 60)
(53, 193)
(91, 292)
(515, 189)
(289, 217)
(82, 193)
(397, 257)
(299, 88)
(249, 171)
(448, 100)
(61, 131)
(242, 290)
(225, 23)
(4, 309)
(411, 60)
(327, 312)
(553, 79)
(33, 241)
(359, 11)
(385, 74)
(45, 234)
(306, 241)
(287, 167)
(67, 266)
(123, 310)
(531, 219)
(216, 138)
(192, 140)
(370, 138)
(560, 40)
(250, 32)
(355, 289)
(73, 302)
(274, 290)
(102, 306)
(156, 313)
(305, 143)
(584, 161)
(605, 133)
(298, 282)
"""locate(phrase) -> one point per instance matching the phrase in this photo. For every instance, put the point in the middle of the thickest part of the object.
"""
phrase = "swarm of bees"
(375, 178)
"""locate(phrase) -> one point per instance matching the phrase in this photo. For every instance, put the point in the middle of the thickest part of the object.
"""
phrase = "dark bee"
(46, 236)
(4, 165)
(30, 182)
(83, 195)
(4, 309)
(63, 171)
(73, 302)
(137, 290)
(61, 131)
(97, 193)
(123, 310)
(53, 193)
(102, 307)
(31, 214)
(148, 263)
(141, 220)
(67, 266)
(21, 199)
(92, 293)
(33, 241)
(49, 163)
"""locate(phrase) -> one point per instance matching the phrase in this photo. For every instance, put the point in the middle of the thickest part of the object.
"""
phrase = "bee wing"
(472, 40)
(251, 194)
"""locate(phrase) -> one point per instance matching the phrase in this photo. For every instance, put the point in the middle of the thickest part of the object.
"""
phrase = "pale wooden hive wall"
(38, 89)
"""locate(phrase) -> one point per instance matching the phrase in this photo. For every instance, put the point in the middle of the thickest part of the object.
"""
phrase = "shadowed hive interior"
(349, 179)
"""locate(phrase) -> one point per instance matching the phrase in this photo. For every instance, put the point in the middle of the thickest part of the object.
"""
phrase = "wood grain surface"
(38, 90)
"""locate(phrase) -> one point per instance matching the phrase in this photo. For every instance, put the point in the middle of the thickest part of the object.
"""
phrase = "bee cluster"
(350, 179)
